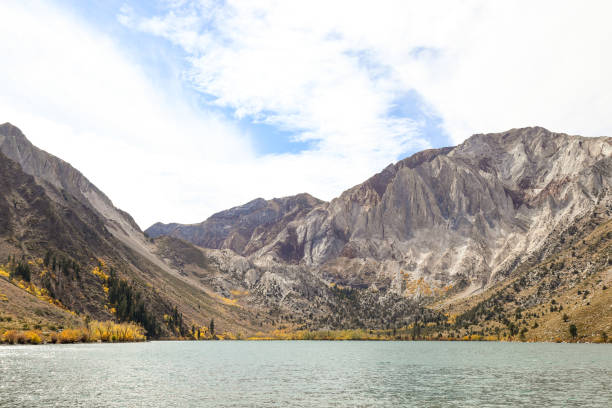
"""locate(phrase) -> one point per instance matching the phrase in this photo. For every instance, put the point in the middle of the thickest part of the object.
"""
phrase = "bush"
(111, 332)
(70, 336)
(13, 337)
(32, 337)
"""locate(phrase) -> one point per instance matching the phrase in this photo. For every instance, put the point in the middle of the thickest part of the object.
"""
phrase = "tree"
(573, 331)
(22, 270)
(212, 326)
(523, 331)
(514, 329)
(416, 331)
(47, 258)
(565, 317)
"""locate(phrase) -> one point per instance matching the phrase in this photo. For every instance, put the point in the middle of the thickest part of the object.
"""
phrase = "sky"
(178, 109)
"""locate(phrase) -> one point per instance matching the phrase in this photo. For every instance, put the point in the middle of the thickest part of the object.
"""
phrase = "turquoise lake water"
(307, 374)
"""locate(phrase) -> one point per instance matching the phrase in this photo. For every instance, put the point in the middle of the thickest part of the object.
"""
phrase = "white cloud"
(280, 64)
(480, 65)
(77, 94)
(328, 71)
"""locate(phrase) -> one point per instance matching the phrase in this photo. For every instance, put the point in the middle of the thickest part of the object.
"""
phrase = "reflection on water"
(306, 374)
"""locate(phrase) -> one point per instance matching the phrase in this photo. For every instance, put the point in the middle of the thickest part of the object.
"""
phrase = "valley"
(505, 237)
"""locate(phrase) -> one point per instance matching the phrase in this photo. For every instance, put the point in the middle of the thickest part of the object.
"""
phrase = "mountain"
(58, 176)
(444, 223)
(506, 235)
(474, 211)
(244, 229)
(71, 237)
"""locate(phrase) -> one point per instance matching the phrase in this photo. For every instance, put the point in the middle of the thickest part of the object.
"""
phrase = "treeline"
(129, 304)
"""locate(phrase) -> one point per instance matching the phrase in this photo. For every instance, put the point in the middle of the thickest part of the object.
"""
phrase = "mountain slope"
(52, 212)
(449, 223)
(50, 171)
(566, 283)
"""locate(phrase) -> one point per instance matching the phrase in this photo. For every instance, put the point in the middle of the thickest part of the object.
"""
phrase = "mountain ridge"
(464, 216)
(233, 228)
(79, 226)
(416, 245)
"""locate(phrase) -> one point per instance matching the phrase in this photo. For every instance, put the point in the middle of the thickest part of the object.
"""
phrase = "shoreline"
(305, 340)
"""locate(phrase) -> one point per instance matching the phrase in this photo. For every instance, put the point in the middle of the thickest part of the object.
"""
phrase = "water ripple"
(306, 374)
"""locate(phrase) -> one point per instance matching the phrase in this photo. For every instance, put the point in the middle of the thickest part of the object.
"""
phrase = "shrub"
(5, 337)
(32, 337)
(70, 336)
(13, 337)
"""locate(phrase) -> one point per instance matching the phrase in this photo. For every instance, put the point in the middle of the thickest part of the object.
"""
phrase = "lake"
(306, 374)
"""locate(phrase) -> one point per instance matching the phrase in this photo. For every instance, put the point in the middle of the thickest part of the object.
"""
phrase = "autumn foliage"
(107, 332)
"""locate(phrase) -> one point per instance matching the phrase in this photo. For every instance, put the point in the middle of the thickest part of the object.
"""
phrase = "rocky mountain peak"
(473, 210)
(7, 129)
(49, 170)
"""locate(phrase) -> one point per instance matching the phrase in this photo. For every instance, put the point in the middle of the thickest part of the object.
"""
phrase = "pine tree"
(573, 330)
(47, 258)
